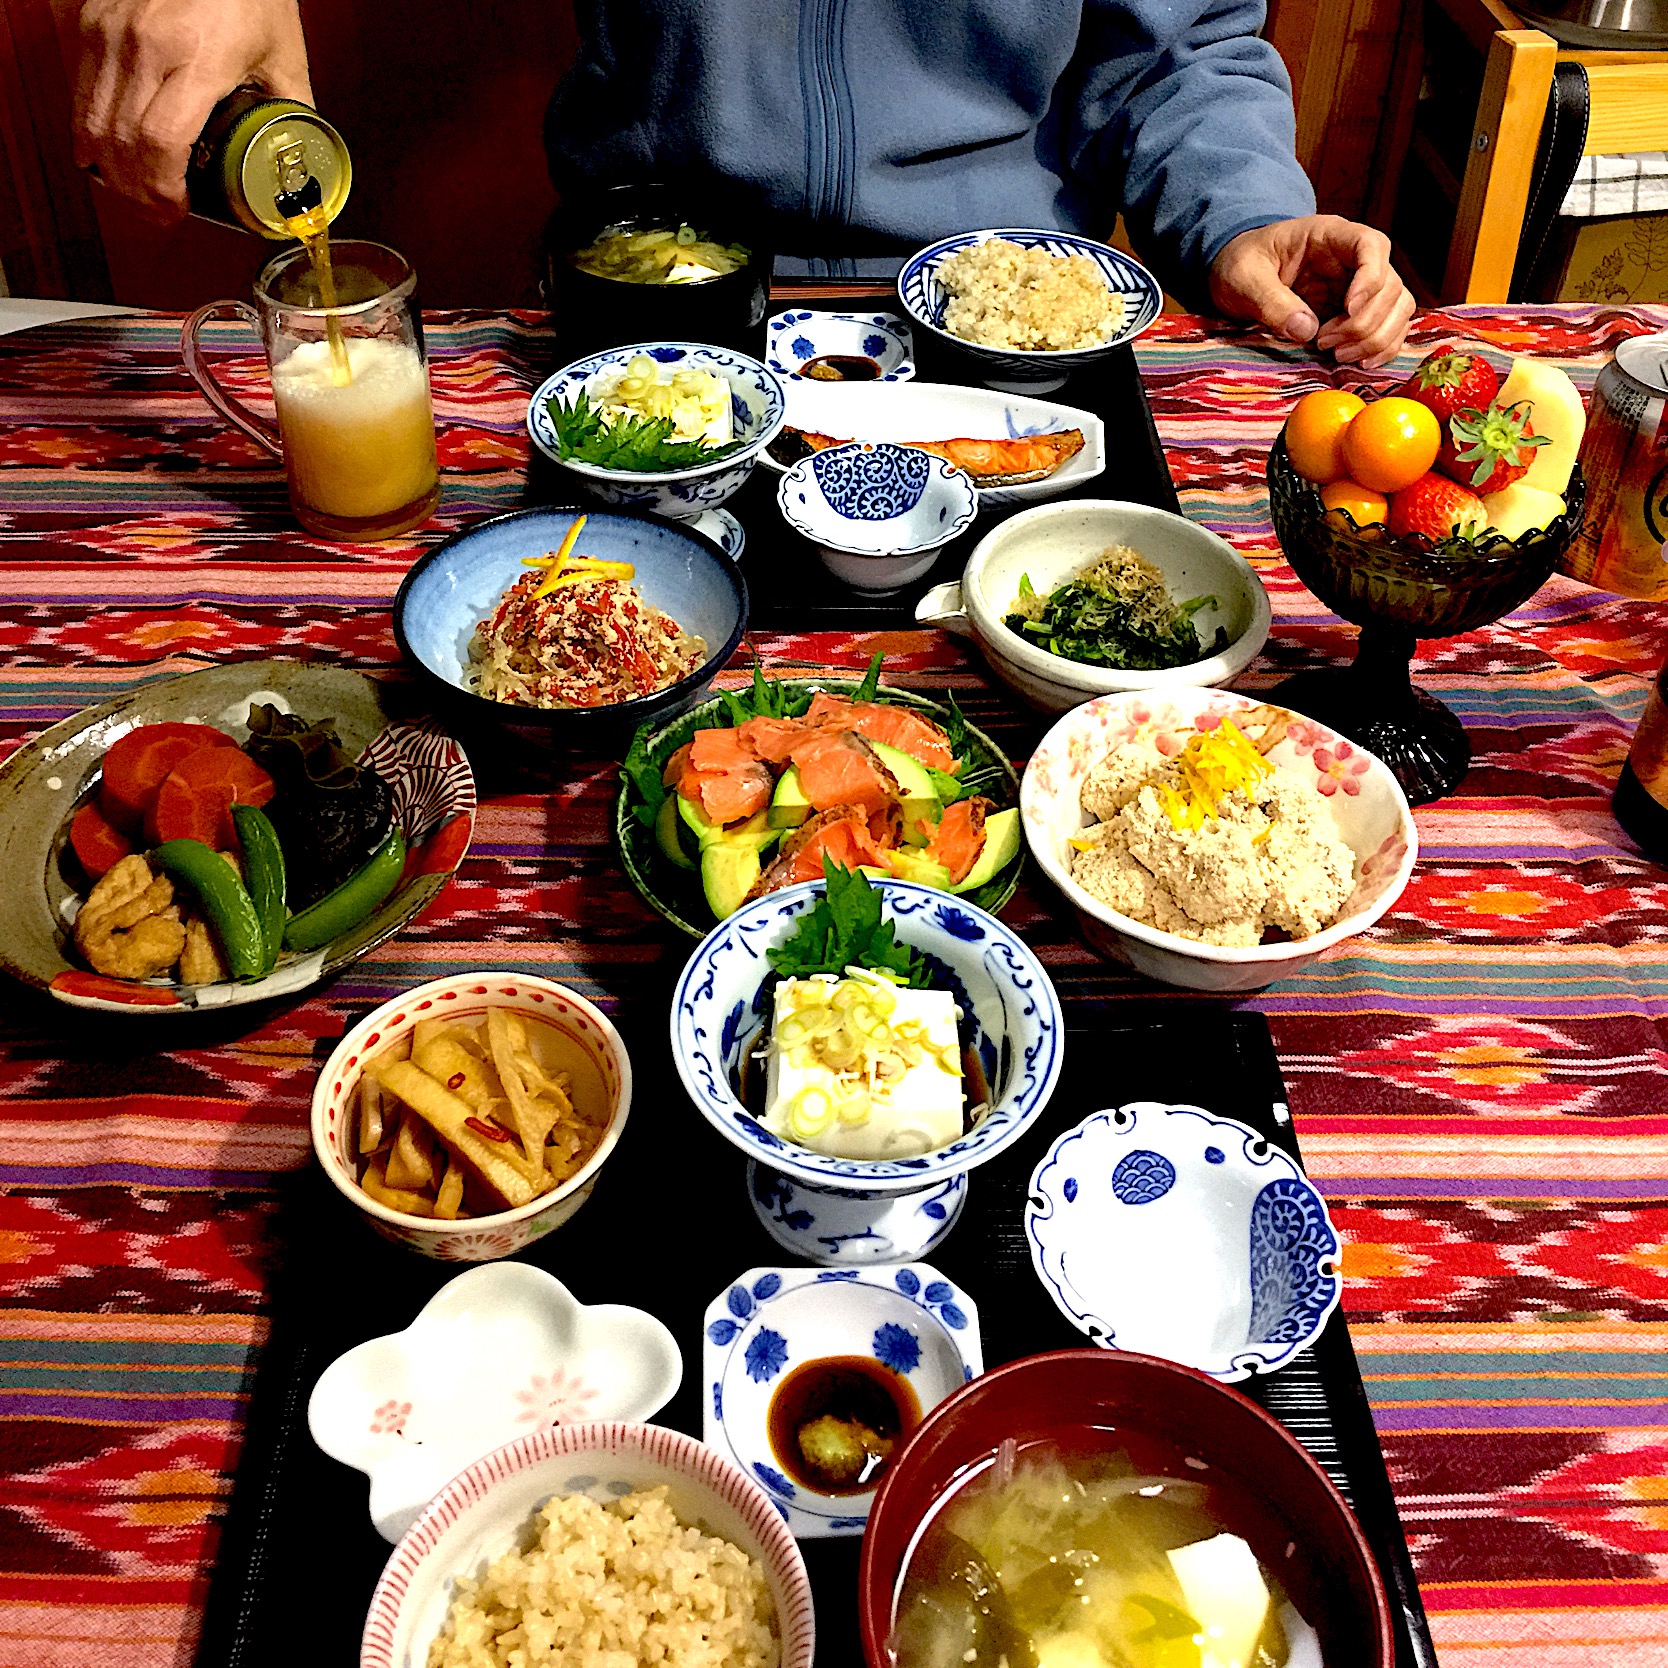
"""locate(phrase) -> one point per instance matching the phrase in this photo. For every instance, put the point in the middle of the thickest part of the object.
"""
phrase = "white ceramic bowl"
(756, 406)
(877, 512)
(473, 1239)
(795, 338)
(1055, 542)
(1367, 803)
(484, 1512)
(500, 1350)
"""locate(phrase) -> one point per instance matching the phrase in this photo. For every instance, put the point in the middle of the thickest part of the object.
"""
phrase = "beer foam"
(382, 370)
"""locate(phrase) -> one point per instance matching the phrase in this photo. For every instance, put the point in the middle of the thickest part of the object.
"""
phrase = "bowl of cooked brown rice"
(1029, 306)
(595, 1543)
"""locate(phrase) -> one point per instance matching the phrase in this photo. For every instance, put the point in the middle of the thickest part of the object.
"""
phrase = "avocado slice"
(1001, 847)
(667, 826)
(918, 867)
(756, 831)
(919, 798)
(788, 805)
(729, 871)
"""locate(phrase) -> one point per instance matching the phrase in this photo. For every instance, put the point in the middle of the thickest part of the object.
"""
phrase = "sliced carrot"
(98, 843)
(195, 802)
(137, 765)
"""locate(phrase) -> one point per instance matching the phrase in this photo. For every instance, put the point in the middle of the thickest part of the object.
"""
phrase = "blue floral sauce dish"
(840, 347)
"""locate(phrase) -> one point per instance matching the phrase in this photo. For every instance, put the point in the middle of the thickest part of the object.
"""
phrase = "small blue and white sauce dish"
(840, 347)
(815, 1377)
(757, 411)
(856, 1211)
(878, 513)
(1170, 1232)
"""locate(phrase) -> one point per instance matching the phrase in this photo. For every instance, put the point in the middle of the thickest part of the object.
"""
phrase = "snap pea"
(224, 898)
(263, 876)
(352, 901)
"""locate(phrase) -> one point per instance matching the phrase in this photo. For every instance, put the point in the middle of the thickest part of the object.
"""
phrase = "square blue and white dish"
(1170, 1232)
(908, 1320)
(840, 347)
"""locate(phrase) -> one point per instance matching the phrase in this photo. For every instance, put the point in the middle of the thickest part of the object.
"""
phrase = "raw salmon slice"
(838, 767)
(898, 727)
(772, 739)
(720, 749)
(841, 833)
(960, 836)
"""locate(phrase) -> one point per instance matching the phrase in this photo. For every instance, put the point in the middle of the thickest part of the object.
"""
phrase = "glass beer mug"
(350, 382)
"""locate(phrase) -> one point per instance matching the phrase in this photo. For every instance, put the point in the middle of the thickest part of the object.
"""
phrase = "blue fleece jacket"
(886, 123)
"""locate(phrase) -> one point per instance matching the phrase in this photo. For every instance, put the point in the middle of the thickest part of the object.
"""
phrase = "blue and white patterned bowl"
(771, 1320)
(925, 299)
(793, 339)
(756, 407)
(1170, 1232)
(722, 1000)
(878, 513)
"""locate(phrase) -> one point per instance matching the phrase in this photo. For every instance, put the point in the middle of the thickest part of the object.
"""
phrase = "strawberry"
(1438, 508)
(1488, 450)
(1452, 382)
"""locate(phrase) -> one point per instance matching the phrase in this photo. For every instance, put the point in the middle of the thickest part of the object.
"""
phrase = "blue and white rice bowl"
(877, 512)
(924, 298)
(1168, 1231)
(757, 411)
(795, 338)
(852, 1211)
(768, 1321)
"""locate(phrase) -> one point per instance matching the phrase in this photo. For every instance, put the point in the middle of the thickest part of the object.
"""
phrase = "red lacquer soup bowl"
(1090, 1398)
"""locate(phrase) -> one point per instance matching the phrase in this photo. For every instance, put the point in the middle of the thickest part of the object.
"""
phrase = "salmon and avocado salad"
(753, 791)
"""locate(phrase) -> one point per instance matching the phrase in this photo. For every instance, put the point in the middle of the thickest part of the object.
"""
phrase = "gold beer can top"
(279, 160)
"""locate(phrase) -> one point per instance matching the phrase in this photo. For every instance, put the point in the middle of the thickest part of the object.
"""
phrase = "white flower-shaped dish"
(795, 339)
(1167, 1231)
(501, 1351)
(909, 1318)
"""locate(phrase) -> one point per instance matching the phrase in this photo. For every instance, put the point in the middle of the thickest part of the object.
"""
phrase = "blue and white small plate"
(768, 1321)
(794, 339)
(1167, 1231)
(723, 529)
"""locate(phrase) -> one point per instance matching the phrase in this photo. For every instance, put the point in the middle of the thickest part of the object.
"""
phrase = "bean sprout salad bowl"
(852, 1211)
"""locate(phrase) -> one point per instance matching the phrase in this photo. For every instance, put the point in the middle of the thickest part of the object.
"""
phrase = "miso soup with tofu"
(1126, 1555)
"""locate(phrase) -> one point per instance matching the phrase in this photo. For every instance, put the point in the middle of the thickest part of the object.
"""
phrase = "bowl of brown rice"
(1030, 306)
(599, 1542)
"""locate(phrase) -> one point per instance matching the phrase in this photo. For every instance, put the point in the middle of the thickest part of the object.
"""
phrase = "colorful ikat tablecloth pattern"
(1481, 1083)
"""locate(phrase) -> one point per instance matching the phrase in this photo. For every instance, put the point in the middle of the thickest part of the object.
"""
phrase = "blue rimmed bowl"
(768, 1321)
(855, 1211)
(757, 409)
(1171, 1232)
(877, 512)
(924, 298)
(798, 338)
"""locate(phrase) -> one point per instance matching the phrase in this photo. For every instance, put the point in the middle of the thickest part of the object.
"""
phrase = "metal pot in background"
(1625, 25)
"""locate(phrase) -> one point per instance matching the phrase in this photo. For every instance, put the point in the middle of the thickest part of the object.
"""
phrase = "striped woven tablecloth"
(1480, 1083)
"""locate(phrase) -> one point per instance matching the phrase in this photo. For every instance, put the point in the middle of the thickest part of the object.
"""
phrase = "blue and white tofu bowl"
(814, 1378)
(1009, 1022)
(926, 299)
(1168, 1231)
(754, 413)
(840, 347)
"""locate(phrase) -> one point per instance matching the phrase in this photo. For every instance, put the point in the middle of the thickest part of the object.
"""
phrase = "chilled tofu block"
(1226, 1595)
(906, 1110)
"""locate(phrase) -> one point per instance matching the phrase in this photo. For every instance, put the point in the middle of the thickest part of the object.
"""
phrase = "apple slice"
(1556, 412)
(1515, 509)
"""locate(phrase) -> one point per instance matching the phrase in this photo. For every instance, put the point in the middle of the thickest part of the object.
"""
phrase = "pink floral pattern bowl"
(465, 996)
(498, 1352)
(1366, 802)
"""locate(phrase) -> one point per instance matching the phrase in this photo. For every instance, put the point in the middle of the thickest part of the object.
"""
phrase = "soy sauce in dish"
(835, 1422)
(841, 367)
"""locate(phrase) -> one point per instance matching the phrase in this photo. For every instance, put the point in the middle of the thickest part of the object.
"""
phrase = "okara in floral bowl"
(592, 1052)
(1367, 804)
(853, 1211)
(486, 1511)
(1024, 371)
(878, 513)
(497, 1352)
(770, 1330)
(840, 347)
(1237, 1257)
(1050, 546)
(756, 413)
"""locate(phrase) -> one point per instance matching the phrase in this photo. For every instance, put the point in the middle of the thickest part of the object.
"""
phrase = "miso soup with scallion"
(635, 254)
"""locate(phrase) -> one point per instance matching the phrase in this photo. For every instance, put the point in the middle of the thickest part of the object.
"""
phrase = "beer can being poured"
(265, 163)
(1623, 541)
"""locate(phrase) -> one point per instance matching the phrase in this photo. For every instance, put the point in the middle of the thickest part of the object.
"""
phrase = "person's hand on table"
(150, 72)
(1320, 279)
